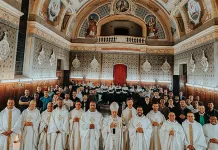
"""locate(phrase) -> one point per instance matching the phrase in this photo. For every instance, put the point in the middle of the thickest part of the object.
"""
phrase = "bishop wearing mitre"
(140, 130)
(9, 126)
(58, 127)
(44, 139)
(112, 130)
(30, 119)
(90, 128)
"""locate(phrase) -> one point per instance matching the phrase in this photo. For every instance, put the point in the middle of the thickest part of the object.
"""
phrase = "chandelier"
(4, 48)
(204, 62)
(94, 64)
(52, 59)
(192, 64)
(166, 66)
(41, 57)
(146, 66)
(76, 63)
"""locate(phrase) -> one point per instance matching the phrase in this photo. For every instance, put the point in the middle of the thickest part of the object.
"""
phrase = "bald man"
(30, 119)
(9, 127)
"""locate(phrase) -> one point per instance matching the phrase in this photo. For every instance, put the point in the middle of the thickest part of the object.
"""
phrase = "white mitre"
(114, 106)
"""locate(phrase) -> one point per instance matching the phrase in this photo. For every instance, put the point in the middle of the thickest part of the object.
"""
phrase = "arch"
(122, 17)
(89, 7)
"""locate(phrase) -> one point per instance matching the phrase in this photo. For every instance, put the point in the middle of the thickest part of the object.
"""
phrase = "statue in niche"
(151, 26)
(91, 31)
(122, 6)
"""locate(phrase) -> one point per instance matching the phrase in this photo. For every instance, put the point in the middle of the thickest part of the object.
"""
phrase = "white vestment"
(126, 114)
(90, 137)
(74, 137)
(44, 139)
(172, 142)
(15, 127)
(199, 141)
(211, 131)
(58, 122)
(160, 119)
(29, 134)
(140, 141)
(112, 137)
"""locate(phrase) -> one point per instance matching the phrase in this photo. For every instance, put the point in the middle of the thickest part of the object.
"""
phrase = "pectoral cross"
(92, 120)
(48, 119)
(59, 117)
(139, 125)
(29, 118)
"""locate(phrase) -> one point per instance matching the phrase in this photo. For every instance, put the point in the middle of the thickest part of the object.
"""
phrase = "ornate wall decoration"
(192, 64)
(4, 48)
(204, 62)
(194, 11)
(52, 59)
(7, 66)
(91, 30)
(46, 70)
(198, 77)
(85, 70)
(156, 72)
(136, 10)
(166, 66)
(151, 26)
(94, 64)
(76, 63)
(122, 7)
(146, 66)
(54, 9)
(41, 57)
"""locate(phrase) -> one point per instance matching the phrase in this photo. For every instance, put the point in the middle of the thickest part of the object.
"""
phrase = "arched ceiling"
(166, 12)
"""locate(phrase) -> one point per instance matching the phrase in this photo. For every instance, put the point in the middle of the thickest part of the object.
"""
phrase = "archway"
(120, 74)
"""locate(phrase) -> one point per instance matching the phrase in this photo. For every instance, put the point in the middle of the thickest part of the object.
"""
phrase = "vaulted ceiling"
(171, 14)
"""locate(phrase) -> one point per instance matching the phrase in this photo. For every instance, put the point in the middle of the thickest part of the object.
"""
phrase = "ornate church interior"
(151, 44)
(171, 43)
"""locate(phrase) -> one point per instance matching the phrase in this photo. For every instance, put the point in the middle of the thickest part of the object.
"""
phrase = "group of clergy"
(59, 129)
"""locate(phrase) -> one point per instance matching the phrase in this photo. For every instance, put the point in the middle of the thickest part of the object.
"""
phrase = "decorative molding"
(4, 48)
(122, 47)
(76, 63)
(40, 30)
(9, 13)
(207, 35)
